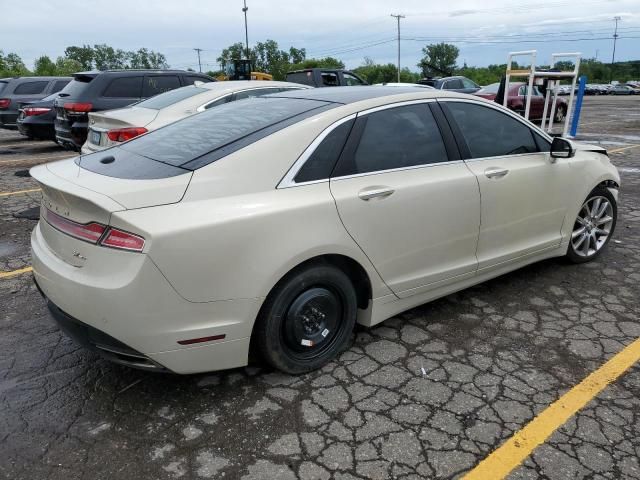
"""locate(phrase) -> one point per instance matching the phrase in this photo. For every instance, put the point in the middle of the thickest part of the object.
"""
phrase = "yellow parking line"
(18, 192)
(13, 273)
(515, 450)
(616, 150)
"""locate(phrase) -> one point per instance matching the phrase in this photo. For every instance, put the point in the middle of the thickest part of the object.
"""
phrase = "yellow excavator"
(241, 70)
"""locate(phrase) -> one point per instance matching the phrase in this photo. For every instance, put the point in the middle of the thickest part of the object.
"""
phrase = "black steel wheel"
(307, 319)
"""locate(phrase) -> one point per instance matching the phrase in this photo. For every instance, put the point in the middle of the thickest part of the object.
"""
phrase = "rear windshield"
(76, 87)
(169, 98)
(182, 142)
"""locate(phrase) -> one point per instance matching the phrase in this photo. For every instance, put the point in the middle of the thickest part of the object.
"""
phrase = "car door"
(523, 189)
(536, 109)
(406, 199)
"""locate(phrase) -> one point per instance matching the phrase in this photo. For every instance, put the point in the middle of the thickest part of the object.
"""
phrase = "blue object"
(576, 111)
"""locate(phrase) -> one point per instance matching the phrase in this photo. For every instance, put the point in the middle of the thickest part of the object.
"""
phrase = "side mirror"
(561, 148)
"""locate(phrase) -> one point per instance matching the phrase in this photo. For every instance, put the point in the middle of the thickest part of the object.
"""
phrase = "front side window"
(351, 80)
(125, 87)
(31, 88)
(468, 83)
(398, 137)
(490, 133)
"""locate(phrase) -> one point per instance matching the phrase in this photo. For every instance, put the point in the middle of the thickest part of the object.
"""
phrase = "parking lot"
(427, 394)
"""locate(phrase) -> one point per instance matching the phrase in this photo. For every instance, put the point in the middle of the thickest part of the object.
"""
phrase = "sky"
(485, 31)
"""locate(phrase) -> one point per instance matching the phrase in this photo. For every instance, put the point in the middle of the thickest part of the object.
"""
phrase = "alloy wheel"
(592, 227)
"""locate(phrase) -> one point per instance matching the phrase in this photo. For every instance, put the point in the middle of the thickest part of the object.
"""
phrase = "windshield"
(493, 88)
(165, 99)
(186, 140)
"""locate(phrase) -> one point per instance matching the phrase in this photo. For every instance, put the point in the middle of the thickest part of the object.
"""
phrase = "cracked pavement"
(426, 394)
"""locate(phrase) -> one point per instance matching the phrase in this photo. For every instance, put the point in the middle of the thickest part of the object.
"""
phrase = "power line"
(398, 17)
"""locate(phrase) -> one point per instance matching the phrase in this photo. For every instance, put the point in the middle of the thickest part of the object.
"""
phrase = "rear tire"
(593, 227)
(307, 319)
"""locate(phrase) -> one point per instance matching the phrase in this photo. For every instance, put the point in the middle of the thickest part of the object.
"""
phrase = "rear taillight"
(89, 232)
(96, 233)
(124, 134)
(32, 111)
(124, 240)
(77, 107)
(4, 103)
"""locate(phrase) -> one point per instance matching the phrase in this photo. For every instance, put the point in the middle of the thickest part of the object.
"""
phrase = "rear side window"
(321, 162)
(125, 87)
(453, 84)
(305, 78)
(490, 133)
(397, 137)
(160, 84)
(31, 88)
(329, 79)
(59, 85)
(195, 136)
(255, 93)
(169, 98)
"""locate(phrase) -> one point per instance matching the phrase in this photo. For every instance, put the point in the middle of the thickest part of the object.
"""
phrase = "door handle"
(495, 172)
(375, 192)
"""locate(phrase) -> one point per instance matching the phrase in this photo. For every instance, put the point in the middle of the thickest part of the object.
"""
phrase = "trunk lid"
(122, 117)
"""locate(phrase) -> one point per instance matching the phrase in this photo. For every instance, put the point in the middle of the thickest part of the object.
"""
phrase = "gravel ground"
(493, 357)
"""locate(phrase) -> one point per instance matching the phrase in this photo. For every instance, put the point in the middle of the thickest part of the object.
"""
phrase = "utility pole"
(199, 64)
(615, 39)
(398, 17)
(246, 31)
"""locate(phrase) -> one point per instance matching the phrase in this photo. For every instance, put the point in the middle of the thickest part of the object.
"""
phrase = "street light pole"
(246, 31)
(199, 64)
(398, 17)
(615, 38)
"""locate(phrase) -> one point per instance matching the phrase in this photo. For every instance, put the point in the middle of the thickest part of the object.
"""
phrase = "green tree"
(83, 55)
(327, 62)
(231, 53)
(67, 66)
(44, 66)
(106, 57)
(12, 65)
(373, 72)
(297, 55)
(269, 58)
(144, 58)
(439, 59)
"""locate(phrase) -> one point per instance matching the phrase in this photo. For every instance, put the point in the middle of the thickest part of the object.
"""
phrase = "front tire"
(307, 319)
(593, 227)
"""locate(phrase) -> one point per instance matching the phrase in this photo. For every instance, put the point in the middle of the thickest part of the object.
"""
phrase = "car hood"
(122, 117)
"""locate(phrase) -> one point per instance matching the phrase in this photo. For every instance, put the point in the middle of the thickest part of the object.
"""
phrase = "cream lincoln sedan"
(280, 225)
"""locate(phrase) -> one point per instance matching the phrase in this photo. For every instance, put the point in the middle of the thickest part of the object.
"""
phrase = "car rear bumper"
(8, 119)
(37, 130)
(133, 316)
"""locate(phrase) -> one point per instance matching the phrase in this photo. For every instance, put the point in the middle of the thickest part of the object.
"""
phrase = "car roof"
(347, 95)
(130, 71)
(235, 85)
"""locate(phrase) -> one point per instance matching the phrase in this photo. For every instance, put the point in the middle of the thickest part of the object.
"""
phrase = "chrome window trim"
(399, 169)
(203, 107)
(288, 180)
(500, 108)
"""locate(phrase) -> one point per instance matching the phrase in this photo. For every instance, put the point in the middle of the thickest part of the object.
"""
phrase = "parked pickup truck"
(325, 77)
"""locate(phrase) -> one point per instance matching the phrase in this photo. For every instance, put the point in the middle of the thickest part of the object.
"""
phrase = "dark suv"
(453, 84)
(14, 91)
(95, 91)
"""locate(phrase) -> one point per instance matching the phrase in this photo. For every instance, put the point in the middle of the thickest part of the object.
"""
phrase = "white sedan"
(112, 127)
(279, 225)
